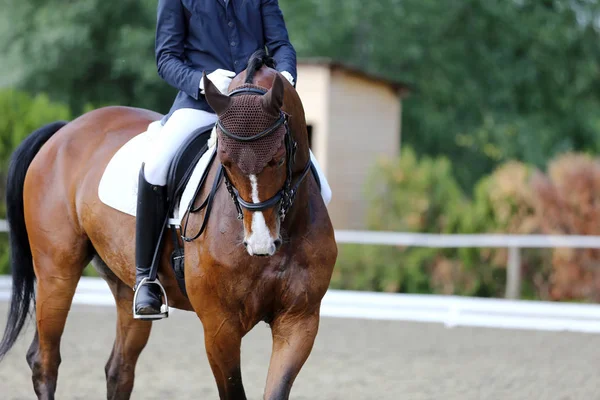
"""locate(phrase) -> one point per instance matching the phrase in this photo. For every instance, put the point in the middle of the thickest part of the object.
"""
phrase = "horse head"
(257, 152)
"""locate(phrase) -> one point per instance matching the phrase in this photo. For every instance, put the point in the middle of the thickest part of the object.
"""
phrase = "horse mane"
(257, 60)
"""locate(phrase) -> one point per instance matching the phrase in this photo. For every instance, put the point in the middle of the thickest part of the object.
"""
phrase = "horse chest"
(264, 289)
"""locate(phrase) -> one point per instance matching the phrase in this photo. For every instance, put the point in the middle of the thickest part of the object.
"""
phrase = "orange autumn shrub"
(505, 204)
(568, 203)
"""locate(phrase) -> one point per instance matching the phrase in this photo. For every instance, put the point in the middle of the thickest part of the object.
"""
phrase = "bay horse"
(58, 225)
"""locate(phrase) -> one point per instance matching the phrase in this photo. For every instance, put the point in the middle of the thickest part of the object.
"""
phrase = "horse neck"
(299, 212)
(300, 135)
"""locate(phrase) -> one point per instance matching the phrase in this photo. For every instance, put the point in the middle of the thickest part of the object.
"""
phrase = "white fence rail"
(512, 242)
(448, 310)
(476, 240)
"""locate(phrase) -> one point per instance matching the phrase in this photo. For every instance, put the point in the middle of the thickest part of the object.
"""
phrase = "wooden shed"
(354, 118)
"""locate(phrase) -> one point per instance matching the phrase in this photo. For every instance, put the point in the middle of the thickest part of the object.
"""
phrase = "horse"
(58, 225)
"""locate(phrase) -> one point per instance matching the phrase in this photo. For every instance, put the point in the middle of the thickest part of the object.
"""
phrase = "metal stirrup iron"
(164, 308)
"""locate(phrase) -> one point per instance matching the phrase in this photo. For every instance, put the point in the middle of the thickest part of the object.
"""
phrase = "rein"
(284, 198)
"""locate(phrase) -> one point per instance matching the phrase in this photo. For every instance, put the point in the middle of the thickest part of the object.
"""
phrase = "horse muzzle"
(261, 246)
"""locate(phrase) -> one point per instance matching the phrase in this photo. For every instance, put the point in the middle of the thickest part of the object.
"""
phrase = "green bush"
(414, 195)
(408, 195)
(421, 195)
(4, 258)
(21, 115)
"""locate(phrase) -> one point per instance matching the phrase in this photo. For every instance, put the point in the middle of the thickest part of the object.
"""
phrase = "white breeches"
(325, 189)
(179, 126)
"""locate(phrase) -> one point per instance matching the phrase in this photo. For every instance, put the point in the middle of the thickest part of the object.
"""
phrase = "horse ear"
(218, 101)
(273, 99)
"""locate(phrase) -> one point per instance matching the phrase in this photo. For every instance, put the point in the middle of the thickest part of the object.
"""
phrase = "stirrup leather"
(164, 308)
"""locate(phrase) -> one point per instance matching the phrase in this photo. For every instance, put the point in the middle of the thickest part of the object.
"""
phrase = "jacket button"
(230, 24)
(232, 44)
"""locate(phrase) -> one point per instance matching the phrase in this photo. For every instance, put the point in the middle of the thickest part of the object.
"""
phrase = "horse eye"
(280, 163)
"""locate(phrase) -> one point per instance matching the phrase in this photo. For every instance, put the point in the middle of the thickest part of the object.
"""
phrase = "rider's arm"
(170, 35)
(276, 37)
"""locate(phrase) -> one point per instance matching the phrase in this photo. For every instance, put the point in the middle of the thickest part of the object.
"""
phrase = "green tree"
(496, 80)
(21, 115)
(90, 51)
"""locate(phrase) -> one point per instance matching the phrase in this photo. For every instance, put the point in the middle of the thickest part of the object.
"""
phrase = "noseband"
(284, 198)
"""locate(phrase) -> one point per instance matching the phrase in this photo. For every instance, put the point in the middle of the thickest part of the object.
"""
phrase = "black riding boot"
(151, 213)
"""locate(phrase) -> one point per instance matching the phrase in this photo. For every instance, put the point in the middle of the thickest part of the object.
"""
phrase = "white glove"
(221, 78)
(288, 76)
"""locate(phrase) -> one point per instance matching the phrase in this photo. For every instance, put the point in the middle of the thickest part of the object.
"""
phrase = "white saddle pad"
(119, 184)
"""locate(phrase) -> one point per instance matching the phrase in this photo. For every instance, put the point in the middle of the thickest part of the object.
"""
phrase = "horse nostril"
(277, 243)
(245, 244)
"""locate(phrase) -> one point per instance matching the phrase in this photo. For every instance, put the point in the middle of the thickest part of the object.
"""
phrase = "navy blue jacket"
(203, 35)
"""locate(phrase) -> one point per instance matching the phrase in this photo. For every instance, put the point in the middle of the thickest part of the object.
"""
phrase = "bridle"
(284, 198)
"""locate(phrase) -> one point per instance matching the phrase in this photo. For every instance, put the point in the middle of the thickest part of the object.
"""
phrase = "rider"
(216, 36)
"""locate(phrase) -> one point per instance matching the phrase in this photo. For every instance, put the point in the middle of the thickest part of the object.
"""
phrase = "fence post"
(513, 274)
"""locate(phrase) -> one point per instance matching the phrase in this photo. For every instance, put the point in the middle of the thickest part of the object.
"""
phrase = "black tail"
(23, 277)
(255, 63)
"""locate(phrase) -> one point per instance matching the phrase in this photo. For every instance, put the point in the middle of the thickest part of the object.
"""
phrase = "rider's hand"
(221, 78)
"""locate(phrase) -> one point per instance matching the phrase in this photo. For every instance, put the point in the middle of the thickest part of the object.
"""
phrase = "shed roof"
(402, 88)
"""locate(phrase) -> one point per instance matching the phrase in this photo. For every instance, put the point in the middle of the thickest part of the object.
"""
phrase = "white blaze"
(260, 240)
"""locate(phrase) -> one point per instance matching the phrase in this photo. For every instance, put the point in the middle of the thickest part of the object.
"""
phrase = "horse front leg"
(293, 339)
(223, 341)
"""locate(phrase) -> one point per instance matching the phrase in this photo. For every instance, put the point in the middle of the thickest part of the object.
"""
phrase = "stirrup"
(164, 308)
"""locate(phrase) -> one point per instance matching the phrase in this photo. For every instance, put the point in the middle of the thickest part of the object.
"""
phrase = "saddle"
(183, 164)
(180, 171)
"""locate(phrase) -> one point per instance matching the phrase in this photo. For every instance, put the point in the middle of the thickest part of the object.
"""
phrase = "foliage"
(4, 254)
(408, 195)
(567, 198)
(505, 203)
(494, 80)
(421, 195)
(21, 115)
(414, 195)
(85, 52)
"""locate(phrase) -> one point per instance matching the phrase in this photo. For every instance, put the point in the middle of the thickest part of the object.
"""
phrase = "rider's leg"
(151, 206)
(178, 127)
(325, 189)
